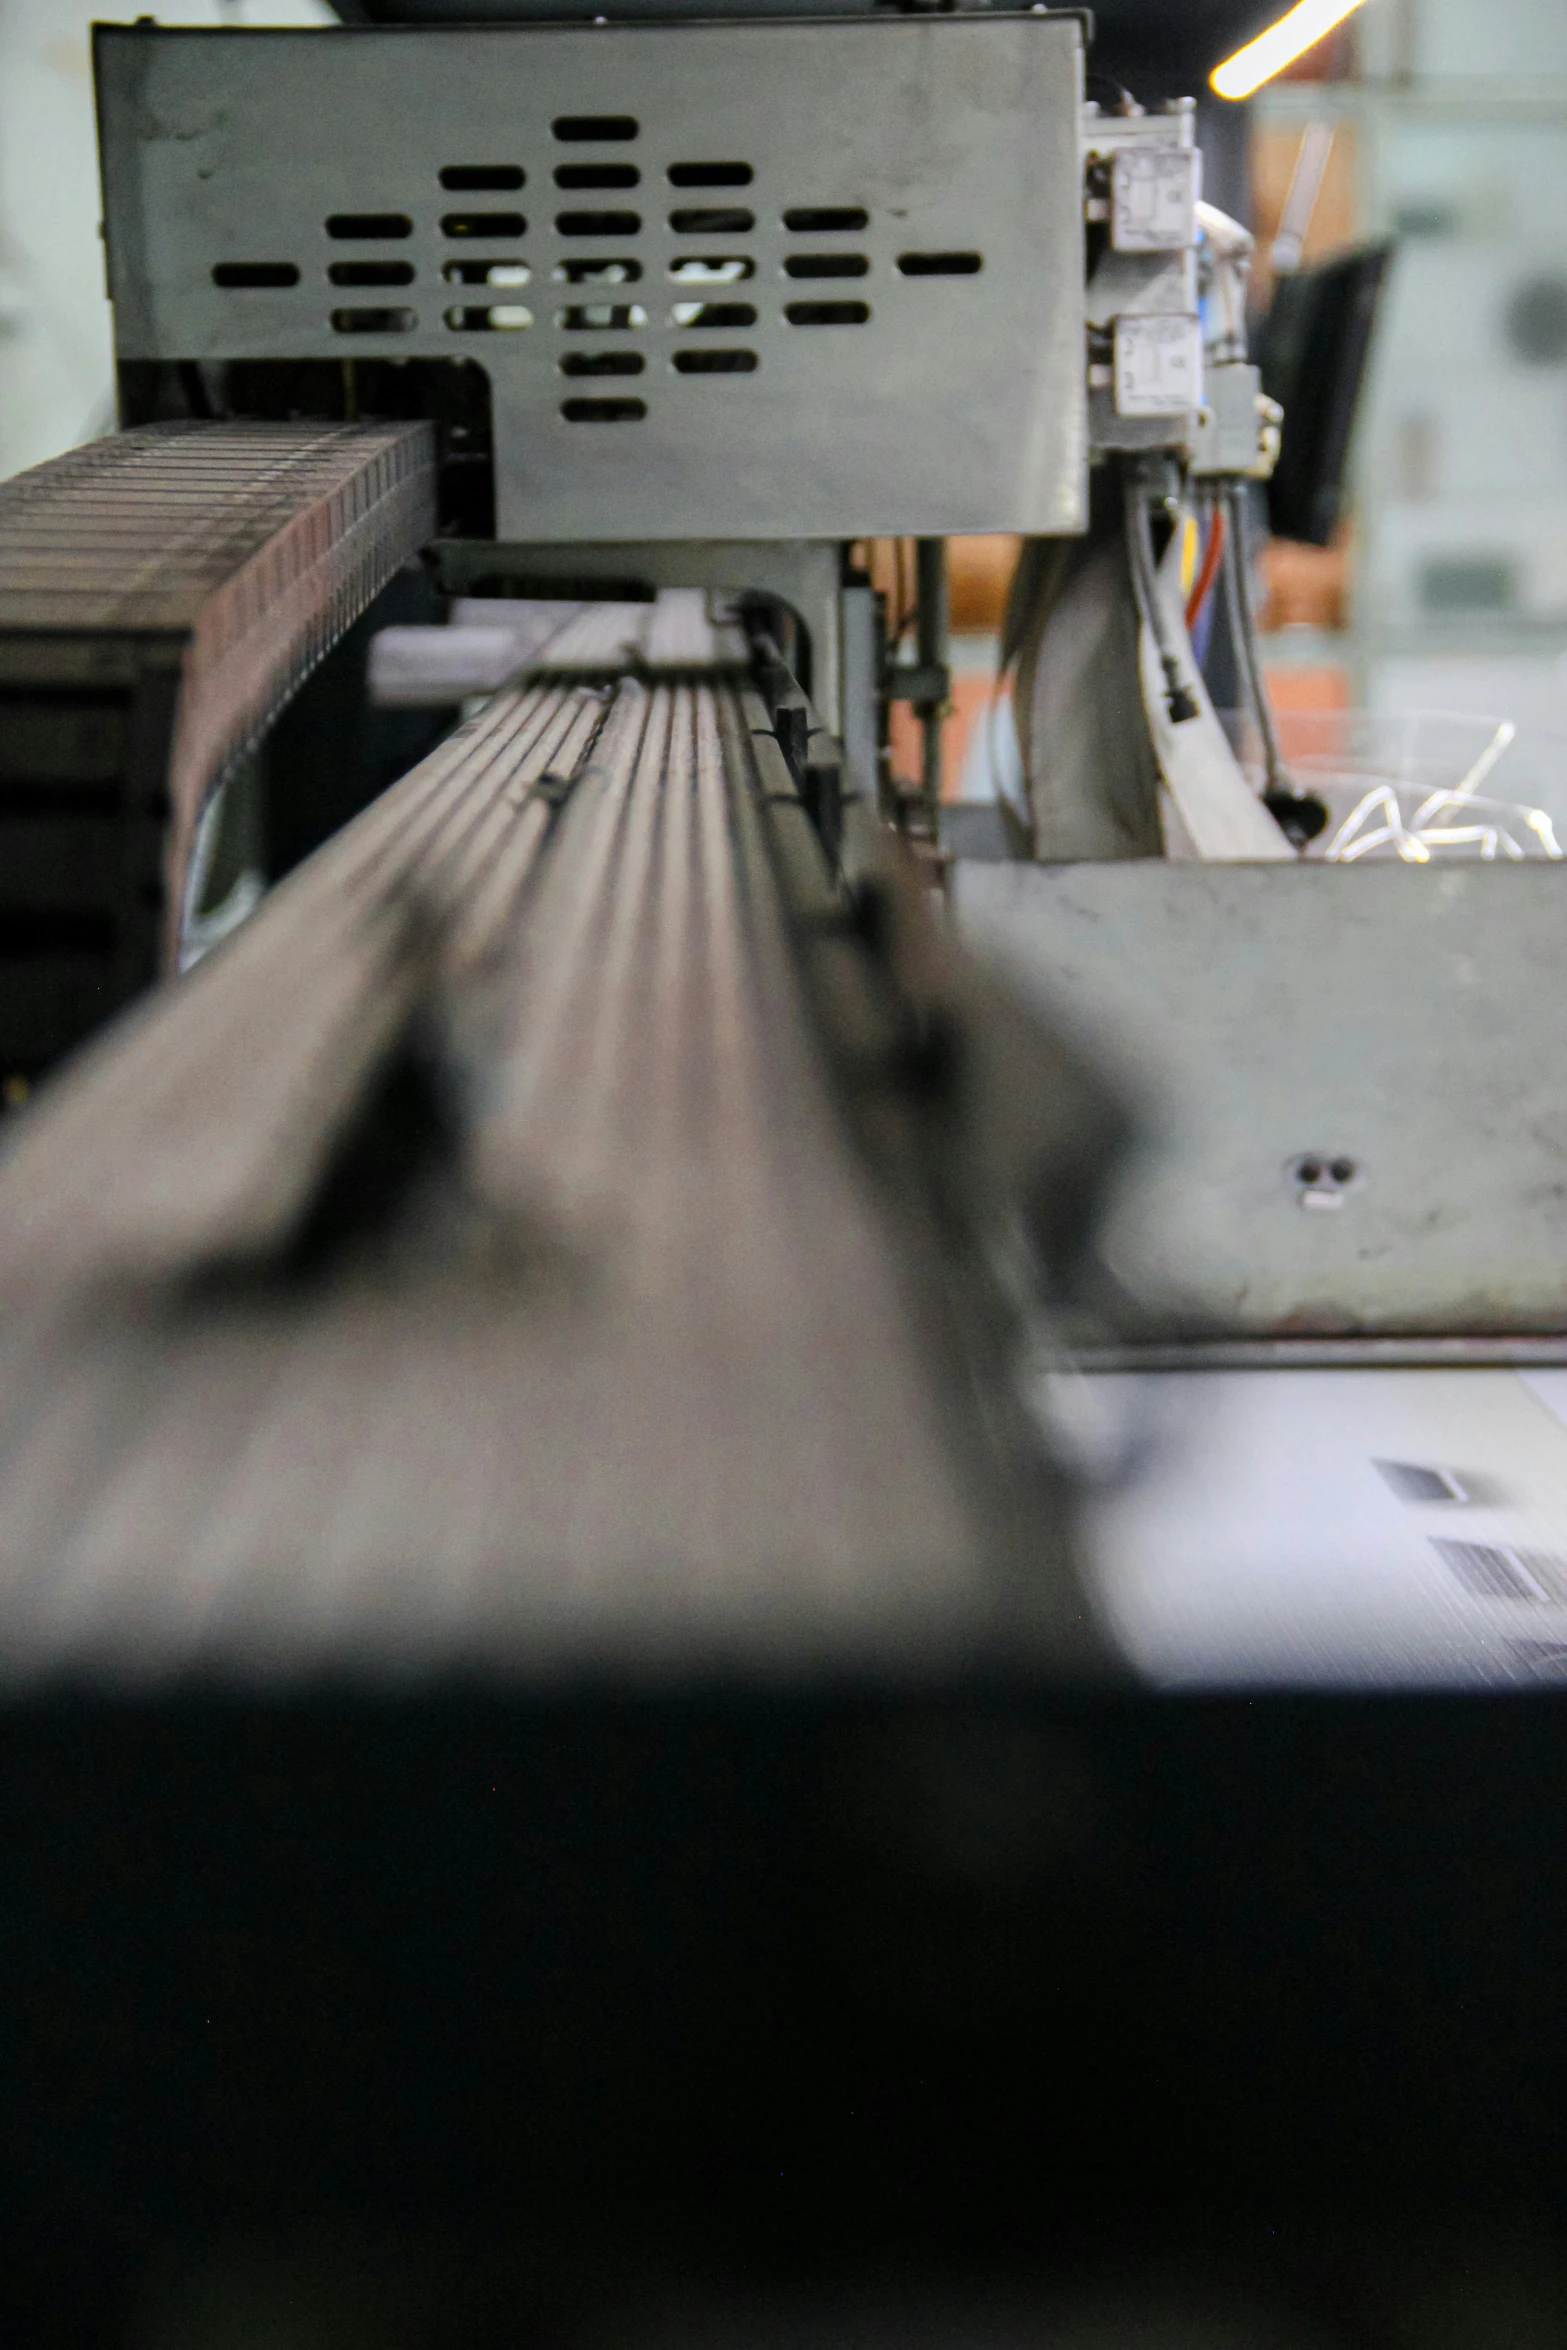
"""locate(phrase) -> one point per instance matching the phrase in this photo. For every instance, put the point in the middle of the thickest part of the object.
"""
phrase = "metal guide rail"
(479, 1259)
(162, 592)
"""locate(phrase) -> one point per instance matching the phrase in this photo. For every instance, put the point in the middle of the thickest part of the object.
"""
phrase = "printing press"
(566, 1774)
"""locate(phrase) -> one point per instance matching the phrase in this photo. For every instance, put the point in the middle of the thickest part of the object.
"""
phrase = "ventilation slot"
(1546, 1659)
(602, 363)
(596, 318)
(603, 411)
(371, 273)
(827, 265)
(941, 264)
(583, 130)
(483, 224)
(493, 318)
(476, 273)
(1550, 1574)
(596, 175)
(827, 313)
(714, 269)
(476, 179)
(597, 273)
(363, 227)
(824, 220)
(1413, 1482)
(712, 314)
(1488, 1572)
(710, 175)
(598, 224)
(715, 362)
(255, 273)
(373, 322)
(713, 220)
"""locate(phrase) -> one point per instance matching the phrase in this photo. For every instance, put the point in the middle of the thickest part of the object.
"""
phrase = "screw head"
(1323, 1174)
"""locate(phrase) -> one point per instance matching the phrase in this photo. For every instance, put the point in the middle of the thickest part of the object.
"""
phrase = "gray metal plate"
(956, 404)
(1407, 1019)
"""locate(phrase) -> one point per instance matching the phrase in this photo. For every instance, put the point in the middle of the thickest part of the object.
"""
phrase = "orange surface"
(968, 710)
(1305, 586)
(979, 574)
(1335, 219)
(1303, 693)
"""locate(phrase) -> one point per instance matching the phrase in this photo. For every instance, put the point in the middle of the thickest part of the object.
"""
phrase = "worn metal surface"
(804, 573)
(1403, 1020)
(469, 1264)
(934, 138)
(223, 559)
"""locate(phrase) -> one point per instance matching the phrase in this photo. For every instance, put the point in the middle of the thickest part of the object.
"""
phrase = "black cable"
(1243, 635)
(1179, 698)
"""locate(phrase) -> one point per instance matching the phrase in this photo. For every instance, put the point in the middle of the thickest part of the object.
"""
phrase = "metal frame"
(1403, 1021)
(851, 146)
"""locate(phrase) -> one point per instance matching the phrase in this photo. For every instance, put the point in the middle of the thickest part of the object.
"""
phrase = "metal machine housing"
(728, 280)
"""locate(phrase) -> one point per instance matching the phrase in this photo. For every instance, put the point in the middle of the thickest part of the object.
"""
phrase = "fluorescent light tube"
(1279, 46)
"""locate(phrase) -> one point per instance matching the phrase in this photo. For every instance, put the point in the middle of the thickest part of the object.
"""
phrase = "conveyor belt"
(636, 1357)
(162, 592)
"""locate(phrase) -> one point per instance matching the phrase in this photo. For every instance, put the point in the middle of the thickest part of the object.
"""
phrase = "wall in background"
(55, 372)
(1463, 41)
(1451, 139)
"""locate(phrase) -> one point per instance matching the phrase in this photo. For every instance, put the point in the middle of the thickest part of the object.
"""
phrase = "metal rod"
(1311, 163)
(931, 591)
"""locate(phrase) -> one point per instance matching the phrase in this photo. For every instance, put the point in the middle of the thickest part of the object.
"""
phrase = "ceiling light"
(1279, 46)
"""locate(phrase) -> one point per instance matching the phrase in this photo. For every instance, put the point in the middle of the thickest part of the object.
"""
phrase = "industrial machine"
(562, 338)
(567, 1776)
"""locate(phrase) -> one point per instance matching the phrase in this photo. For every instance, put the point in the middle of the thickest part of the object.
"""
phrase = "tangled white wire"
(1378, 821)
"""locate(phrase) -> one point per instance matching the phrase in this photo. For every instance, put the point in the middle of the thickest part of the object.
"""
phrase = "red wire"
(1210, 568)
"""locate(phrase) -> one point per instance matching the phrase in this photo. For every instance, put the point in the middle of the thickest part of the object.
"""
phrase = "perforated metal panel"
(728, 280)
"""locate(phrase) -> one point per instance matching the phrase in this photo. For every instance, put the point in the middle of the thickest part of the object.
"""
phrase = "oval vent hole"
(355, 227)
(602, 363)
(713, 314)
(257, 273)
(596, 175)
(715, 362)
(483, 224)
(584, 130)
(713, 220)
(713, 269)
(595, 318)
(941, 264)
(603, 411)
(475, 179)
(473, 273)
(371, 273)
(827, 313)
(490, 318)
(710, 175)
(597, 273)
(373, 322)
(822, 220)
(598, 224)
(827, 265)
